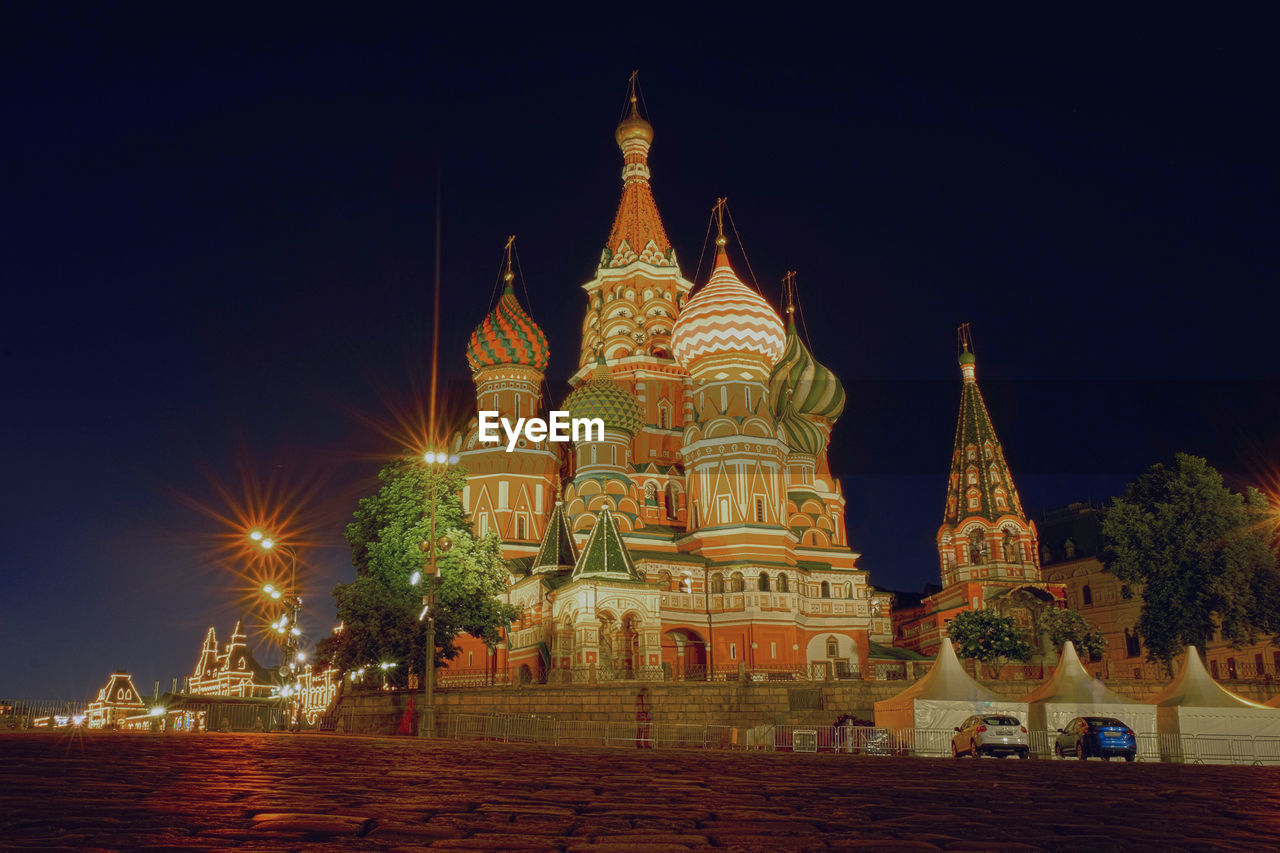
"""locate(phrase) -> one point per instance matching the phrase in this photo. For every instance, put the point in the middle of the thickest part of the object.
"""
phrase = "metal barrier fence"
(852, 740)
(25, 714)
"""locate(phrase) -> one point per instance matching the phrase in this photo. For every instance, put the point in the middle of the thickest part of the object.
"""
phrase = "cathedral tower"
(633, 302)
(509, 494)
(728, 337)
(985, 535)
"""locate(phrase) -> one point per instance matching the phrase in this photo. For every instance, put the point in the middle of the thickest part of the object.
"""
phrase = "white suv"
(992, 734)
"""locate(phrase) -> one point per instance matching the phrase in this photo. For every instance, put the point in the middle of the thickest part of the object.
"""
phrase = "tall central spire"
(637, 232)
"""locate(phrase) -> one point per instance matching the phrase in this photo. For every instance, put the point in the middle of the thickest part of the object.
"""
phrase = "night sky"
(217, 243)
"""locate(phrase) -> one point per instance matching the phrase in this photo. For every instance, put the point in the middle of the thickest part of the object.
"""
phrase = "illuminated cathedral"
(704, 533)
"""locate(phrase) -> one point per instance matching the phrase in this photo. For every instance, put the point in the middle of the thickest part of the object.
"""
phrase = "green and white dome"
(601, 397)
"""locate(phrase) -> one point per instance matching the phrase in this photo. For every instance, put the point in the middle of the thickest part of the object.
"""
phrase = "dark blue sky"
(217, 239)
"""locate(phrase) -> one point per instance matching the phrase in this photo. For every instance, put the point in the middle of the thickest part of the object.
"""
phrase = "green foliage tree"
(380, 608)
(1202, 553)
(989, 638)
(1060, 625)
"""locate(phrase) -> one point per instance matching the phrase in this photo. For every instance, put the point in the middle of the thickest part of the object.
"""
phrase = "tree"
(1060, 625)
(989, 638)
(1202, 553)
(380, 608)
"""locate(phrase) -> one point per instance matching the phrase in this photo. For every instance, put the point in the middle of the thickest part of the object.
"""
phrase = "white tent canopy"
(1195, 704)
(1072, 692)
(943, 698)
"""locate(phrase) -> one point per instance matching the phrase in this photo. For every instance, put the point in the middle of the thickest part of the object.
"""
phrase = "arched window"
(1069, 548)
(522, 528)
(1087, 594)
(673, 500)
(848, 590)
(825, 590)
(664, 415)
(977, 547)
(783, 584)
(651, 493)
(686, 585)
(763, 583)
(717, 584)
(833, 647)
(759, 510)
(664, 580)
(736, 582)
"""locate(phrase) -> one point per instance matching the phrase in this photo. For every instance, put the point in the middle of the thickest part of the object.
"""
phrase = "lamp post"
(286, 626)
(437, 461)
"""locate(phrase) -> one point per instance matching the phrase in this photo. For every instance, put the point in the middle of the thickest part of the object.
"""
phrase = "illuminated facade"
(704, 530)
(232, 671)
(116, 702)
(987, 547)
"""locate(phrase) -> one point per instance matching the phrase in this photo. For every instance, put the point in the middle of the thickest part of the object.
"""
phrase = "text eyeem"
(560, 427)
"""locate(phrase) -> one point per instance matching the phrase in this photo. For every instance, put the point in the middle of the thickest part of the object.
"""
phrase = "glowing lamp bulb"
(268, 543)
(453, 460)
(268, 589)
(415, 578)
(301, 656)
(256, 535)
(297, 632)
(157, 711)
(275, 593)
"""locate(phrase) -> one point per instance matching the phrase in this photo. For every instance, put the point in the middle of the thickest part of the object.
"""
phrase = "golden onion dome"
(633, 127)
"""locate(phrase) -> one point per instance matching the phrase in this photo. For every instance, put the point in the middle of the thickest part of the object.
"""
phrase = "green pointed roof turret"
(557, 553)
(980, 483)
(605, 555)
(602, 397)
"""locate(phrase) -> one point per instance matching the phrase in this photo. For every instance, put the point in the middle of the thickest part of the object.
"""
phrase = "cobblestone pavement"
(276, 792)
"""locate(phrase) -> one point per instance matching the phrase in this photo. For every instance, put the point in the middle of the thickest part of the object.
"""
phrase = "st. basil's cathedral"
(704, 533)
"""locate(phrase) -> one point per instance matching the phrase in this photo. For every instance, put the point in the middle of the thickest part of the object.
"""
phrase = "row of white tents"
(1193, 705)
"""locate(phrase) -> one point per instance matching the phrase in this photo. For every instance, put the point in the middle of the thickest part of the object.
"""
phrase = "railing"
(25, 714)
(471, 678)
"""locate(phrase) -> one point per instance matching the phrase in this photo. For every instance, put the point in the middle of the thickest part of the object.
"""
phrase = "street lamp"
(286, 626)
(436, 461)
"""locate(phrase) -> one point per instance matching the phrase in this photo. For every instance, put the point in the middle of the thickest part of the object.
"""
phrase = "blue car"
(1103, 737)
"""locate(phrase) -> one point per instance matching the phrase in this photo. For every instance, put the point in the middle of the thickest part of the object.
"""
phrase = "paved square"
(125, 791)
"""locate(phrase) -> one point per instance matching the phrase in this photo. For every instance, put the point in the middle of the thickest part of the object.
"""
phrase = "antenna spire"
(631, 85)
(509, 276)
(718, 210)
(789, 296)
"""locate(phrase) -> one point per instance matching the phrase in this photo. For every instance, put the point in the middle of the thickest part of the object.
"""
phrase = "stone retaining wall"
(741, 704)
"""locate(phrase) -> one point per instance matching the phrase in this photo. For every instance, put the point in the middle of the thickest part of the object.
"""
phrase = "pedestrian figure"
(406, 720)
(644, 719)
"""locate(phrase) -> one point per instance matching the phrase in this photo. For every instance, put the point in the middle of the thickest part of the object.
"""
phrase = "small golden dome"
(634, 127)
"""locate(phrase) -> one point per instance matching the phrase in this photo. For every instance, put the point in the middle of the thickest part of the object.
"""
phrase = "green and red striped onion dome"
(508, 336)
(811, 388)
(601, 397)
(803, 435)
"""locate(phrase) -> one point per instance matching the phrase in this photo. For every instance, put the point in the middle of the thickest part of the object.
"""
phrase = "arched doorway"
(685, 651)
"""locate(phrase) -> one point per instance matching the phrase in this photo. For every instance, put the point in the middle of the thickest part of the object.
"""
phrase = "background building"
(1070, 552)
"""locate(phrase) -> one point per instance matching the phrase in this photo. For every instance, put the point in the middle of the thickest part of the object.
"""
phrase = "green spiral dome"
(601, 397)
(798, 377)
(803, 435)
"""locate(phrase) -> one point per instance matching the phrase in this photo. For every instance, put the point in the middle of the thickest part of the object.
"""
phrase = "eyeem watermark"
(559, 428)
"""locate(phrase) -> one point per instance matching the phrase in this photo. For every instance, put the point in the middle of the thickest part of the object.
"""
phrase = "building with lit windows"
(1071, 555)
(704, 531)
